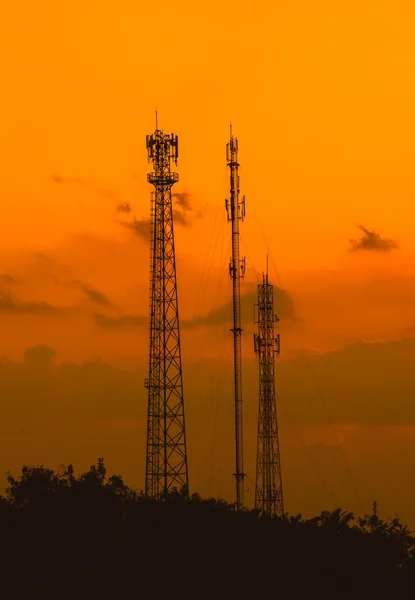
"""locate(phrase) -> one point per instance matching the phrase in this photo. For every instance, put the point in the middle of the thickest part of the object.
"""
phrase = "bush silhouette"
(91, 536)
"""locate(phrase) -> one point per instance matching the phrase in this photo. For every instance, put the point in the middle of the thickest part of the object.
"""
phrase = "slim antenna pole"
(236, 212)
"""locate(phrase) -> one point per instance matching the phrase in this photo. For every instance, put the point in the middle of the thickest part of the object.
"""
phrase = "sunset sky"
(320, 95)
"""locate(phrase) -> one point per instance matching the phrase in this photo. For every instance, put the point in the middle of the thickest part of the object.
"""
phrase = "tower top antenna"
(156, 119)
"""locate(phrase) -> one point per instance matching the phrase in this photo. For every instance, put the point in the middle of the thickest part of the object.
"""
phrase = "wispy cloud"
(372, 241)
(123, 207)
(85, 183)
(183, 200)
(140, 227)
(94, 295)
(283, 302)
(183, 206)
(119, 322)
(8, 304)
(7, 278)
(181, 218)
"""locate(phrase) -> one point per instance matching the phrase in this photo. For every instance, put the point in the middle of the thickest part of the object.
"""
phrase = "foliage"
(91, 536)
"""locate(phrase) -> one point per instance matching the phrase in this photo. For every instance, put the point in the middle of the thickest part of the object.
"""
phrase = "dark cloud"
(7, 278)
(90, 292)
(183, 207)
(365, 382)
(119, 322)
(372, 241)
(41, 394)
(368, 383)
(124, 207)
(183, 200)
(94, 295)
(53, 412)
(72, 412)
(180, 218)
(283, 303)
(141, 228)
(353, 383)
(8, 304)
(39, 357)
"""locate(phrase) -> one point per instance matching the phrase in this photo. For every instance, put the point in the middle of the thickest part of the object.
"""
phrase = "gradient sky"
(321, 96)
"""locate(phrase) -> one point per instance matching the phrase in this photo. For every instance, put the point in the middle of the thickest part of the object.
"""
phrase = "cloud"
(119, 322)
(7, 278)
(370, 383)
(371, 240)
(141, 228)
(43, 257)
(283, 306)
(41, 392)
(184, 206)
(180, 218)
(47, 266)
(95, 295)
(364, 382)
(54, 412)
(39, 357)
(85, 183)
(183, 200)
(124, 207)
(8, 304)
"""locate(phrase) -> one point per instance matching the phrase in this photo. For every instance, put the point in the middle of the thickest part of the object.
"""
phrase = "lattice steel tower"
(268, 489)
(236, 212)
(166, 460)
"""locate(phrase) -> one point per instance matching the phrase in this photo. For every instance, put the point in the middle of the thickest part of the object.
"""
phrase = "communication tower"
(166, 457)
(235, 208)
(268, 489)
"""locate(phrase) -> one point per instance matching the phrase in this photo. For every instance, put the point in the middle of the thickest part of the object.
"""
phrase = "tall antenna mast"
(268, 489)
(166, 459)
(236, 212)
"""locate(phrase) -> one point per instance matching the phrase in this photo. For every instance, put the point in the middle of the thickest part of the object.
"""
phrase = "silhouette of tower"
(268, 489)
(166, 459)
(236, 212)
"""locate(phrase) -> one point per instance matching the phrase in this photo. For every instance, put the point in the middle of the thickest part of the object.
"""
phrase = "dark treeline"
(69, 537)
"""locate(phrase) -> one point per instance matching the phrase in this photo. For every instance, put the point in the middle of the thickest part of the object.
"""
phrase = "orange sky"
(321, 97)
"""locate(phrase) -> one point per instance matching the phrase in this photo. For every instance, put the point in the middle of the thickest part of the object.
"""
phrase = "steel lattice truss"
(268, 489)
(166, 462)
(235, 208)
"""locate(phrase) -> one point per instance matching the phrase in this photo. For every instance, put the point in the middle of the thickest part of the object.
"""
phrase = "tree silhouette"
(335, 521)
(91, 536)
